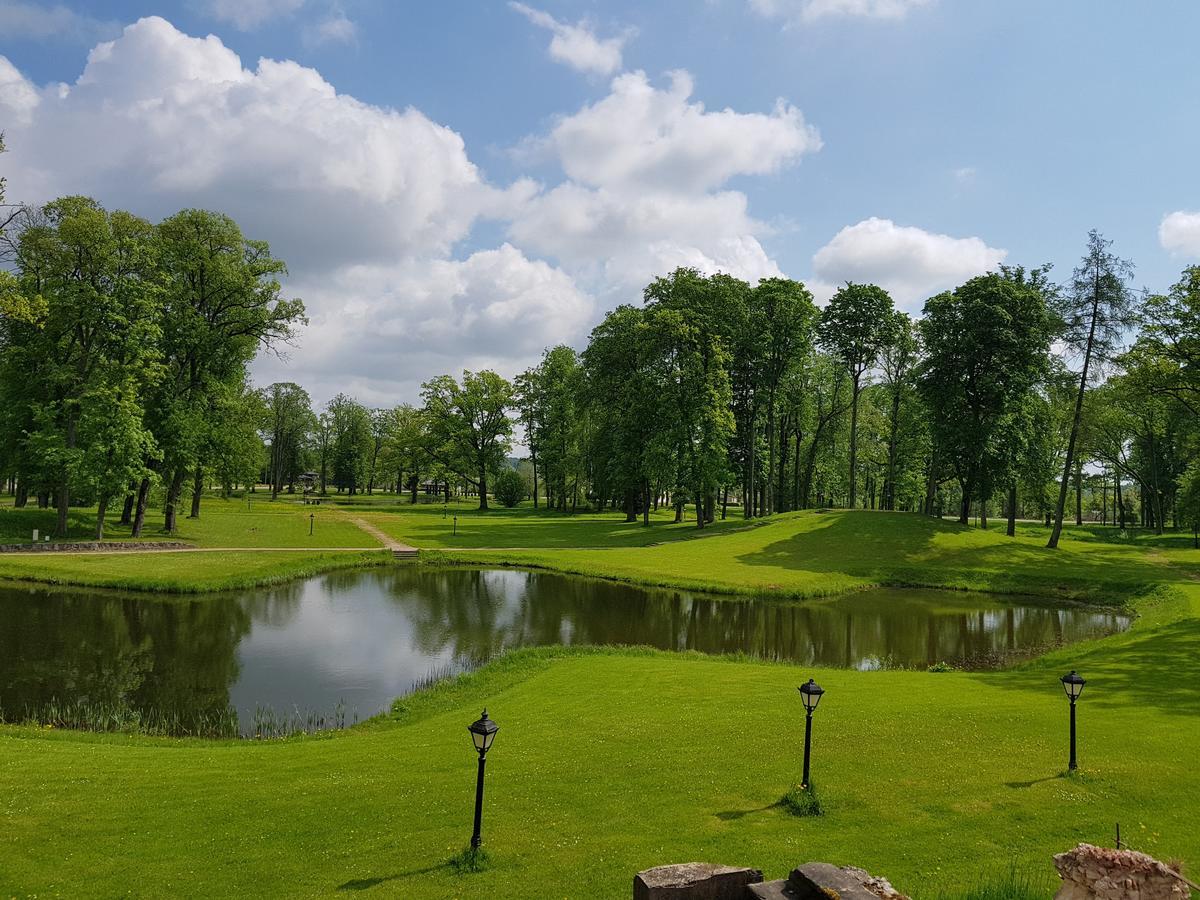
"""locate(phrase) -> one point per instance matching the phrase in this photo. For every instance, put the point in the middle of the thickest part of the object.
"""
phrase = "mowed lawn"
(253, 533)
(434, 526)
(612, 761)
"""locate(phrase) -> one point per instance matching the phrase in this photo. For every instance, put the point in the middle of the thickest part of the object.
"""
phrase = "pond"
(342, 646)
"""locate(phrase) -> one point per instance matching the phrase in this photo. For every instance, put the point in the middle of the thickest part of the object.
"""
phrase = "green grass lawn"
(612, 761)
(429, 526)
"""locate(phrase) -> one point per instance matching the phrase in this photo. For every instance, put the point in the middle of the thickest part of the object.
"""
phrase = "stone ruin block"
(1097, 873)
(694, 881)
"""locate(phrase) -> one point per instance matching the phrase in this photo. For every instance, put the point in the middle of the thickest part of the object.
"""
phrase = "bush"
(509, 488)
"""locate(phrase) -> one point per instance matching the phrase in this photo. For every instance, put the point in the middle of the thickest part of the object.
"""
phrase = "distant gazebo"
(309, 481)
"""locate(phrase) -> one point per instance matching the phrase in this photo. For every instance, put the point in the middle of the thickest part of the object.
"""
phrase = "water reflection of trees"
(475, 614)
(157, 658)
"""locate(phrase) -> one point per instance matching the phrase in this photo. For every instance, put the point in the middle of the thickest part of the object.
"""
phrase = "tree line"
(124, 349)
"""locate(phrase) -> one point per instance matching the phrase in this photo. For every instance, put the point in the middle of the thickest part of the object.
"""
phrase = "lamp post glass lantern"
(810, 693)
(1073, 686)
(483, 733)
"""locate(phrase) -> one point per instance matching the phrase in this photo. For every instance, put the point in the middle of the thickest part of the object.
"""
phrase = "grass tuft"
(802, 801)
(1015, 884)
(470, 860)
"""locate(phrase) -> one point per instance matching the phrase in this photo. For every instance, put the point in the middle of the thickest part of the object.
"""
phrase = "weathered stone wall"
(96, 546)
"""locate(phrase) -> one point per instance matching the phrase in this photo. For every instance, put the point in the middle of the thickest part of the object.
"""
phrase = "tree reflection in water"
(361, 638)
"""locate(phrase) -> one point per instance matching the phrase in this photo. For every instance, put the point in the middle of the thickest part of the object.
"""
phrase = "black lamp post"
(810, 693)
(1073, 685)
(312, 517)
(483, 732)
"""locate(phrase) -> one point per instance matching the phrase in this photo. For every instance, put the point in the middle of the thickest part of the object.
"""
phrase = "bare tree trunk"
(1070, 460)
(101, 509)
(1078, 491)
(127, 508)
(174, 490)
(1012, 509)
(139, 507)
(197, 490)
(854, 445)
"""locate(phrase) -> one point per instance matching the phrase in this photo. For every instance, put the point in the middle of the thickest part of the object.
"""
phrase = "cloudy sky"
(462, 183)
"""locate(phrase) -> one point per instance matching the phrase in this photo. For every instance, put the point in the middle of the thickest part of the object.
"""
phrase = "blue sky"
(913, 142)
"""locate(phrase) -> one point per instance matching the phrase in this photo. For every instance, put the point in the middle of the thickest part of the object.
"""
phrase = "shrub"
(942, 666)
(509, 488)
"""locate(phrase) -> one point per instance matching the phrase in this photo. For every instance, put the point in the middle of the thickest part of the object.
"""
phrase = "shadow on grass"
(906, 548)
(1157, 668)
(364, 884)
(732, 815)
(1032, 782)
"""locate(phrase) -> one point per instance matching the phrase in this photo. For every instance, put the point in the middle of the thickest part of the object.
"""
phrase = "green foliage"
(510, 488)
(467, 426)
(987, 349)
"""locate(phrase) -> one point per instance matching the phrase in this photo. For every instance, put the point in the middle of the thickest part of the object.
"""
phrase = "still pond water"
(356, 640)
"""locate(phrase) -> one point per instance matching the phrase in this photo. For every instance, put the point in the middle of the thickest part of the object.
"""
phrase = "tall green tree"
(223, 305)
(1097, 309)
(684, 318)
(469, 425)
(856, 325)
(83, 341)
(987, 346)
(287, 427)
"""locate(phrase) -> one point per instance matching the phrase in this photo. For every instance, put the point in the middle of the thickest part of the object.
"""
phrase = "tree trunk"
(646, 502)
(139, 508)
(174, 490)
(22, 495)
(1070, 460)
(769, 504)
(63, 498)
(1078, 491)
(1012, 509)
(889, 486)
(533, 457)
(748, 496)
(127, 509)
(931, 485)
(854, 444)
(631, 510)
(101, 509)
(1120, 500)
(197, 490)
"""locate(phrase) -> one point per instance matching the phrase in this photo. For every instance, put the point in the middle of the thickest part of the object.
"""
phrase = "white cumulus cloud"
(171, 121)
(367, 204)
(577, 45)
(910, 263)
(812, 10)
(380, 329)
(645, 174)
(643, 137)
(1179, 233)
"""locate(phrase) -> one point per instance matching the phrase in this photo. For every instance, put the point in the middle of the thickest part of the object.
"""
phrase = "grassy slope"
(817, 554)
(930, 779)
(222, 524)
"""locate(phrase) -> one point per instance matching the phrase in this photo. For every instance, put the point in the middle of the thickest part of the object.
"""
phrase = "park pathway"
(399, 550)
